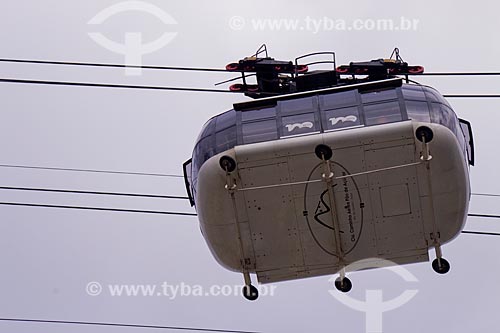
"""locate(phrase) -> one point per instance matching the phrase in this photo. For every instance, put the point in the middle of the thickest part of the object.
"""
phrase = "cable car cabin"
(304, 184)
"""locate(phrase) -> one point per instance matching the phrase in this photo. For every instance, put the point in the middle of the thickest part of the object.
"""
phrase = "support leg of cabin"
(228, 164)
(425, 135)
(325, 153)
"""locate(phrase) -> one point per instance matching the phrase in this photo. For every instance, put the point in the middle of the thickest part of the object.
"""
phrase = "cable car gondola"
(325, 168)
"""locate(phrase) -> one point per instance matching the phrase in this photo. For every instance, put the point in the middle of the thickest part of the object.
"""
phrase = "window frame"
(244, 137)
(187, 178)
(377, 106)
(469, 139)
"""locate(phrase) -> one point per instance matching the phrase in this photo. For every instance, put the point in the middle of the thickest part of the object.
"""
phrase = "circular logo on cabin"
(338, 207)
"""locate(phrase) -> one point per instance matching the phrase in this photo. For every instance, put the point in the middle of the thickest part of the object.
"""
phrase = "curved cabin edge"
(330, 116)
(449, 179)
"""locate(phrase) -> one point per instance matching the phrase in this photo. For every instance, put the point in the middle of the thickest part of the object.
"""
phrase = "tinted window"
(225, 139)
(297, 105)
(382, 113)
(461, 138)
(225, 120)
(342, 118)
(413, 93)
(299, 124)
(418, 111)
(433, 96)
(377, 96)
(259, 131)
(443, 115)
(207, 129)
(202, 152)
(338, 100)
(258, 114)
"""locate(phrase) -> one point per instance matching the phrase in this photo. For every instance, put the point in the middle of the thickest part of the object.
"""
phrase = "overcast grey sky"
(49, 256)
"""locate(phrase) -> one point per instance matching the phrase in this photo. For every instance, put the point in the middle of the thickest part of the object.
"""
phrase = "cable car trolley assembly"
(325, 168)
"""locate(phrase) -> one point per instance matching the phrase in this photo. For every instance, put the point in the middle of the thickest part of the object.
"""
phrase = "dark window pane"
(338, 100)
(297, 105)
(461, 136)
(299, 124)
(418, 111)
(443, 115)
(377, 96)
(382, 113)
(413, 92)
(258, 114)
(342, 118)
(207, 129)
(225, 139)
(434, 96)
(259, 131)
(225, 120)
(202, 152)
